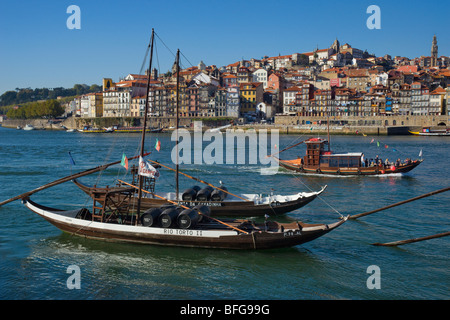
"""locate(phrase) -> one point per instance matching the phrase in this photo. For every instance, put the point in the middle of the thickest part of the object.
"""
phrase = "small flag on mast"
(124, 161)
(158, 145)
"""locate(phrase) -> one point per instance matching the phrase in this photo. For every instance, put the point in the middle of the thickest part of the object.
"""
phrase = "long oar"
(356, 216)
(398, 243)
(65, 179)
(184, 207)
(199, 180)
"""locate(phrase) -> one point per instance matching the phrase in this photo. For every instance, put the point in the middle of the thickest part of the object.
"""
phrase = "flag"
(386, 146)
(71, 159)
(372, 141)
(378, 143)
(158, 145)
(146, 169)
(394, 150)
(124, 161)
(420, 153)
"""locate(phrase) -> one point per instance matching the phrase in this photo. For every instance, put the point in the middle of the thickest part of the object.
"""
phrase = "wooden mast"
(177, 120)
(141, 179)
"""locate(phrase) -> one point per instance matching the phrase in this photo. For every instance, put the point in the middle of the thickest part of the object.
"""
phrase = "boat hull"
(416, 133)
(359, 171)
(232, 208)
(200, 237)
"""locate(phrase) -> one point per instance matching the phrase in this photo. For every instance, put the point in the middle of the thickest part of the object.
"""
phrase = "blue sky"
(38, 50)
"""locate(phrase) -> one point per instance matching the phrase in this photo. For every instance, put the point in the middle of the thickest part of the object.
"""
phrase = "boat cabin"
(317, 156)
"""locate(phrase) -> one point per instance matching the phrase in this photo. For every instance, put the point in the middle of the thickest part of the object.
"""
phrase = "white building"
(289, 100)
(261, 75)
(84, 106)
(382, 78)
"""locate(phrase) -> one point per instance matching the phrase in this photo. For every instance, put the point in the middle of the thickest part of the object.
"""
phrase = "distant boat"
(88, 129)
(427, 131)
(120, 129)
(70, 130)
(28, 127)
(19, 128)
(319, 161)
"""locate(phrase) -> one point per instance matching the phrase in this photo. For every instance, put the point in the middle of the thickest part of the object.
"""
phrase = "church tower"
(336, 46)
(434, 52)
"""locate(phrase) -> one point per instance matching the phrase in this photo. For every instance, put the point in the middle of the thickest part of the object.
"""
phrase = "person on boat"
(376, 160)
(386, 162)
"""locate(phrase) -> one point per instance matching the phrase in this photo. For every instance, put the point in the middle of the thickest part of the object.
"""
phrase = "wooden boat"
(318, 161)
(428, 131)
(207, 233)
(244, 205)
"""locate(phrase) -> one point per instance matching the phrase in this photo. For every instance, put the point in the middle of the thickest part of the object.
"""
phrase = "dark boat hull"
(220, 208)
(361, 171)
(287, 235)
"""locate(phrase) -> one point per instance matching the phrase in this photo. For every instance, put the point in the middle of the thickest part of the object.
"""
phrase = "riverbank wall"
(376, 125)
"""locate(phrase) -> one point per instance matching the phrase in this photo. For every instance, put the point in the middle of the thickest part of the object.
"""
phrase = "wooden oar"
(286, 149)
(199, 180)
(356, 216)
(65, 179)
(184, 207)
(398, 243)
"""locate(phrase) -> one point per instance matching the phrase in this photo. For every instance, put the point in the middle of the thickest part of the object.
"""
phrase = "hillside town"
(337, 81)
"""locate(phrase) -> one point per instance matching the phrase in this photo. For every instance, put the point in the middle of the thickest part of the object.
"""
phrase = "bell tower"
(434, 52)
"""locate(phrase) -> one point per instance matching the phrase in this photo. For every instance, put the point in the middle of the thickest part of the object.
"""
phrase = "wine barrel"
(219, 195)
(188, 218)
(190, 194)
(204, 212)
(150, 217)
(204, 194)
(168, 217)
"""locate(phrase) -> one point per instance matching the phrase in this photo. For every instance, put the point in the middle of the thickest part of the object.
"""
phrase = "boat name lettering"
(292, 233)
(184, 232)
(210, 204)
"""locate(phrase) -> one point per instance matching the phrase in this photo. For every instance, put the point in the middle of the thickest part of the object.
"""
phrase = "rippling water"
(35, 255)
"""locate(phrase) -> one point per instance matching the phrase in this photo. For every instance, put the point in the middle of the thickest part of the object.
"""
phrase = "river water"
(35, 256)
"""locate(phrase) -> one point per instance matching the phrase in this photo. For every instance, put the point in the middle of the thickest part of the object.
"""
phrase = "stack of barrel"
(206, 194)
(170, 216)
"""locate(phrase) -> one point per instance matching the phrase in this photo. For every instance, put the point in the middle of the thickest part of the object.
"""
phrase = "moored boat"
(319, 161)
(428, 131)
(120, 129)
(244, 205)
(207, 233)
(88, 129)
(28, 127)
